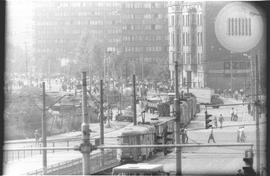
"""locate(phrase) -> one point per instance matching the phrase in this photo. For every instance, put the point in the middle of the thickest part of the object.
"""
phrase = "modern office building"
(187, 43)
(61, 27)
(145, 35)
(135, 30)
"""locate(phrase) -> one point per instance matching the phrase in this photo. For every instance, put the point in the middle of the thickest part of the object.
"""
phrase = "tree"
(97, 59)
(89, 53)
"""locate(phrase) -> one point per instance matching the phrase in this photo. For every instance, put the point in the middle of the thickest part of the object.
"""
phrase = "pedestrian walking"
(186, 136)
(36, 134)
(232, 114)
(215, 121)
(235, 118)
(143, 116)
(238, 134)
(211, 135)
(242, 135)
(221, 119)
(249, 108)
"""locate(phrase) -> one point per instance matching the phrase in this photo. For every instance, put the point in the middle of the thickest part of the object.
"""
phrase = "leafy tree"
(97, 58)
(89, 54)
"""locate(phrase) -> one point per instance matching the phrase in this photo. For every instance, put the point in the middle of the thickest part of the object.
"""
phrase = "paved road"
(225, 160)
(29, 164)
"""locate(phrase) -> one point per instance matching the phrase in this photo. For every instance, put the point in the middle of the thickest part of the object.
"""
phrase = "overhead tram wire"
(139, 146)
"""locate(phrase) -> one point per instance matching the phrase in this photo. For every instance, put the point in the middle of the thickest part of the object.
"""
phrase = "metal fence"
(21, 154)
(74, 167)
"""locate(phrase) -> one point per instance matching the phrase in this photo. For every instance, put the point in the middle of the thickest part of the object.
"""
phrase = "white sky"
(19, 25)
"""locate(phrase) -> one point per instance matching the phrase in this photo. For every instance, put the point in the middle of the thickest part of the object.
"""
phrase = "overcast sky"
(19, 24)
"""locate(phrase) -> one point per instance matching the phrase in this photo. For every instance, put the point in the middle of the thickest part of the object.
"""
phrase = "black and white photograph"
(135, 88)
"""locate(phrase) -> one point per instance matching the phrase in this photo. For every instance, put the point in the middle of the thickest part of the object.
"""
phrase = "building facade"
(186, 35)
(202, 59)
(135, 30)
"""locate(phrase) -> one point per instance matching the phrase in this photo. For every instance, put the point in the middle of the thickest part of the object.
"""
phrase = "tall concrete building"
(187, 45)
(135, 30)
(145, 35)
(60, 27)
(203, 60)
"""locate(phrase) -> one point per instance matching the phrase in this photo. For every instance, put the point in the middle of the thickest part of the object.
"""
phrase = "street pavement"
(197, 160)
(217, 160)
(34, 162)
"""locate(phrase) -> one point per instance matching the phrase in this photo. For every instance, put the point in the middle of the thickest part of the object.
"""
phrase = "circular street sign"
(239, 27)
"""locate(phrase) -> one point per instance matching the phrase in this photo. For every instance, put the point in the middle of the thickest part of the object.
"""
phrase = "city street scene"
(135, 88)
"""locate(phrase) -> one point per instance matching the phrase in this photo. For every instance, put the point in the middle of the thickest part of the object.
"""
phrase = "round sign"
(239, 27)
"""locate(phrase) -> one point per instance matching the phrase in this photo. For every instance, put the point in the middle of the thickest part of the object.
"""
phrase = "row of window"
(186, 41)
(77, 22)
(187, 58)
(145, 59)
(88, 13)
(239, 26)
(237, 65)
(89, 3)
(186, 19)
(153, 48)
(142, 49)
(143, 27)
(133, 38)
(145, 16)
(137, 5)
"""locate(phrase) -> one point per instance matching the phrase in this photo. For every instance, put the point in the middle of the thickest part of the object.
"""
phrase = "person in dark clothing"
(36, 134)
(215, 121)
(221, 119)
(185, 136)
(249, 108)
(211, 136)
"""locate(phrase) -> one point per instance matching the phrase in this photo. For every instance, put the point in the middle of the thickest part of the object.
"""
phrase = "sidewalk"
(21, 167)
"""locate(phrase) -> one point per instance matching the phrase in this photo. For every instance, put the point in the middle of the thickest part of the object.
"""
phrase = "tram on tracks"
(158, 130)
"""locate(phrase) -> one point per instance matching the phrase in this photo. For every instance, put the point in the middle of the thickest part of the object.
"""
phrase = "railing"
(21, 154)
(74, 167)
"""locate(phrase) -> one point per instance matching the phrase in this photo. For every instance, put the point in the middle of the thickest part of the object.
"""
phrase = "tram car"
(150, 133)
(188, 108)
(136, 135)
(163, 107)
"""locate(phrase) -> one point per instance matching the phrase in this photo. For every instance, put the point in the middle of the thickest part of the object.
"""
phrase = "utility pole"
(26, 64)
(134, 101)
(257, 116)
(85, 146)
(126, 73)
(231, 76)
(101, 120)
(142, 68)
(252, 86)
(177, 122)
(90, 79)
(44, 131)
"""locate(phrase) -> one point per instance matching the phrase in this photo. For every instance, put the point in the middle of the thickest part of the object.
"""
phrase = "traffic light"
(207, 120)
(248, 159)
